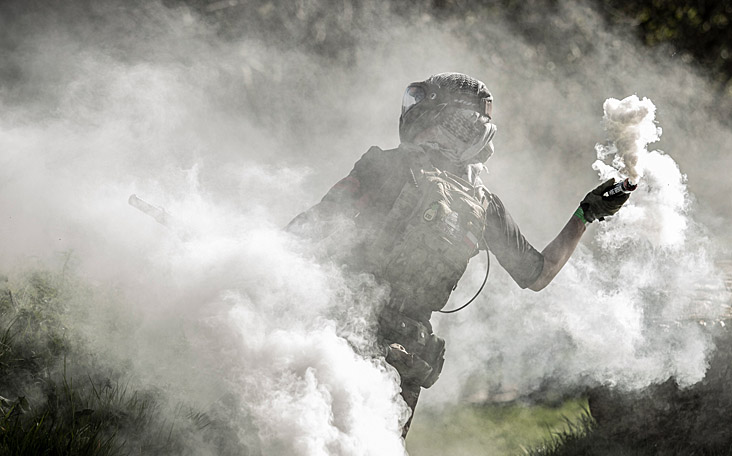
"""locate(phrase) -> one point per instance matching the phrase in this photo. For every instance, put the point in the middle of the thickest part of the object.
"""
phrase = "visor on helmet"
(486, 106)
(413, 95)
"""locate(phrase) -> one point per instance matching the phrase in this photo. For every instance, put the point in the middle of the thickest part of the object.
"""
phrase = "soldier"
(419, 212)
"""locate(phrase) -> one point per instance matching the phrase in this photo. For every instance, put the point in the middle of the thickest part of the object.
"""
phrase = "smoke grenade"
(624, 186)
(158, 213)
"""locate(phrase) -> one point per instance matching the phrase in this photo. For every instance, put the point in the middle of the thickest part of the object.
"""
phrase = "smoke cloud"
(630, 126)
(632, 309)
(235, 129)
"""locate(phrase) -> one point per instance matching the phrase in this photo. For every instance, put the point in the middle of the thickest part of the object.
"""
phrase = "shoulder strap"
(483, 195)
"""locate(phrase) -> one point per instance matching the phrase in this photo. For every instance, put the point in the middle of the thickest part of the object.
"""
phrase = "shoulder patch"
(431, 212)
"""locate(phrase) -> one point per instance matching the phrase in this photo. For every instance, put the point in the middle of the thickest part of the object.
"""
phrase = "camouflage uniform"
(416, 228)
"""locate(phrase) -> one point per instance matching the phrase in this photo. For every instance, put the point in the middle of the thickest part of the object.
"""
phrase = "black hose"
(487, 269)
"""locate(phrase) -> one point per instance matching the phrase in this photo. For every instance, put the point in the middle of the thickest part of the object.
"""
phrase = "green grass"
(58, 398)
(44, 409)
(492, 430)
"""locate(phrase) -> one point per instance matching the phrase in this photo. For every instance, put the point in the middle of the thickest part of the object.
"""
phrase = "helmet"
(456, 109)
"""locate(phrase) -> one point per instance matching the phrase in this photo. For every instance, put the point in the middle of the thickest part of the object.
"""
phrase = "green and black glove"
(597, 207)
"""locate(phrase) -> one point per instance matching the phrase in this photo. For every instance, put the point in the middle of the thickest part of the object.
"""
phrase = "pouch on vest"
(430, 234)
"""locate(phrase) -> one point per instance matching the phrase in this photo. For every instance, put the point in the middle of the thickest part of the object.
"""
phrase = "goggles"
(416, 93)
(413, 95)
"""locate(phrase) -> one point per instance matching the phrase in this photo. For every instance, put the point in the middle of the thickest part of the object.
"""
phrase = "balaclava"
(450, 112)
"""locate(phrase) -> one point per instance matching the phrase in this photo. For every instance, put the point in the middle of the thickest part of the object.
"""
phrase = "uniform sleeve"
(346, 198)
(515, 254)
(354, 191)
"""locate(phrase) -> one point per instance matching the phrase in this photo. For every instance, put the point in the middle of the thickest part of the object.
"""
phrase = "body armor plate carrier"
(433, 229)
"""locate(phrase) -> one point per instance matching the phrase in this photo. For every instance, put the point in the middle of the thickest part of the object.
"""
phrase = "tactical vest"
(432, 230)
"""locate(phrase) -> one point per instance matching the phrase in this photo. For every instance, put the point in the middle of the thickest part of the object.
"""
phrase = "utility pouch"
(412, 348)
(434, 356)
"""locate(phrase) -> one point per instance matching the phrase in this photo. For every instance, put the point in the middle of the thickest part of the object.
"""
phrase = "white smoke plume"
(223, 311)
(632, 309)
(630, 127)
(659, 212)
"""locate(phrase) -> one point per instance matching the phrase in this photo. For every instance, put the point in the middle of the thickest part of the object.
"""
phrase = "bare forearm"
(558, 251)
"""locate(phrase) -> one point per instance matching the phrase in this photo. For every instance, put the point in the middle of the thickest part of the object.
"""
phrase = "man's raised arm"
(593, 207)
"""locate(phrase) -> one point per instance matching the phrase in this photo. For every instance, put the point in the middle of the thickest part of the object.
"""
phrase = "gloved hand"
(597, 207)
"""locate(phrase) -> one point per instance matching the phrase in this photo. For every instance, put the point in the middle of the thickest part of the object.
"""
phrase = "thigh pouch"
(416, 353)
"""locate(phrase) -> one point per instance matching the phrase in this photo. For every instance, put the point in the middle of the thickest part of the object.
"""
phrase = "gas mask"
(452, 112)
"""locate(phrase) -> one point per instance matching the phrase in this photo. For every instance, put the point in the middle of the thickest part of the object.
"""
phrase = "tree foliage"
(700, 31)
(697, 33)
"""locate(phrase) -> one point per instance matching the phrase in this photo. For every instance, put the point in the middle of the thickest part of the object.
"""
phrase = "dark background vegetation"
(697, 32)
